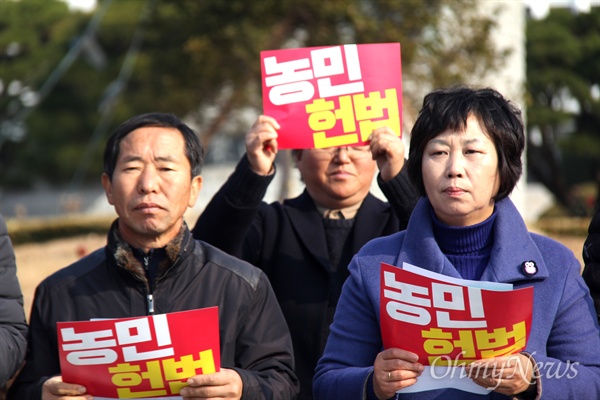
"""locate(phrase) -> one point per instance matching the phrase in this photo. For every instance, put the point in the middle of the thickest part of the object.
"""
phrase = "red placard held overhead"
(332, 96)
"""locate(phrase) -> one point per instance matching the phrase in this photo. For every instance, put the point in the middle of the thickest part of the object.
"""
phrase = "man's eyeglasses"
(354, 152)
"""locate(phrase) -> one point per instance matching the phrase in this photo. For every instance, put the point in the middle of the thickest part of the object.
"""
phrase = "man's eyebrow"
(130, 158)
(133, 157)
(168, 158)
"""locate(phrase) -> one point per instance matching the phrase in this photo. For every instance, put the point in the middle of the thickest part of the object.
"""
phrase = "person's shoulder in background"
(13, 326)
(591, 260)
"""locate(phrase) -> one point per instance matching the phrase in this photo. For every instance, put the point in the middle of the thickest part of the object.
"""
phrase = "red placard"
(332, 96)
(140, 357)
(449, 324)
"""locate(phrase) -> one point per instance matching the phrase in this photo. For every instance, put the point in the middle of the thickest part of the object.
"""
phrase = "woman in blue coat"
(465, 158)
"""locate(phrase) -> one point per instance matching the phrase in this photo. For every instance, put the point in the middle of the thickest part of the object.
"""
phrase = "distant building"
(510, 80)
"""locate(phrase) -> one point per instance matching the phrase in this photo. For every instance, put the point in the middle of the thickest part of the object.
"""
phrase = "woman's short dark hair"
(193, 148)
(449, 108)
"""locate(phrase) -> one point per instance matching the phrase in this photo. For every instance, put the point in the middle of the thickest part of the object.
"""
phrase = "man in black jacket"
(151, 264)
(13, 327)
(305, 244)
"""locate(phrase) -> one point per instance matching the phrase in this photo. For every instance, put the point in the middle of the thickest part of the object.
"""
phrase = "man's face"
(337, 177)
(151, 187)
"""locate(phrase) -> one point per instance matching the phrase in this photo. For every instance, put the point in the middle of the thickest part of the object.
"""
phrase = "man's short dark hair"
(450, 108)
(193, 148)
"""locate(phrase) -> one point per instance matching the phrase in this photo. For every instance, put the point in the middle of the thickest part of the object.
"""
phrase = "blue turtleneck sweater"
(468, 248)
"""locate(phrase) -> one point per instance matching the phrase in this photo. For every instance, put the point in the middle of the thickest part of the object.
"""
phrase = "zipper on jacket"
(150, 300)
(149, 296)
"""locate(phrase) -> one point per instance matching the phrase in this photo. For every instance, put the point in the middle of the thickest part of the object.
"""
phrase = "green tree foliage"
(563, 113)
(34, 37)
(200, 59)
(216, 62)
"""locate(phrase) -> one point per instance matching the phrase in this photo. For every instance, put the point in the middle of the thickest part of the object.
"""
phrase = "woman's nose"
(455, 167)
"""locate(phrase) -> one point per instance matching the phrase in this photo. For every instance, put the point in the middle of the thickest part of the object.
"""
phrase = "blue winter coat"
(564, 338)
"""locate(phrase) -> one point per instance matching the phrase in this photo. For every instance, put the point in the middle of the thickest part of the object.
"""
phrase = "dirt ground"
(36, 261)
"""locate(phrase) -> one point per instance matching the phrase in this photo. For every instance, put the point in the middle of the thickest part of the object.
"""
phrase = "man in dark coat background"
(305, 244)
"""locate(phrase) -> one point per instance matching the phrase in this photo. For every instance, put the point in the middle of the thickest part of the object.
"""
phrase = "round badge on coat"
(529, 268)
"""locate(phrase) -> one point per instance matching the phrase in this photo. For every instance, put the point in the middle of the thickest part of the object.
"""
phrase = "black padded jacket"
(111, 283)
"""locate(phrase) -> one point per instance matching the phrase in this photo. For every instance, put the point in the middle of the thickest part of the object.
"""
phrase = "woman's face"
(460, 174)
